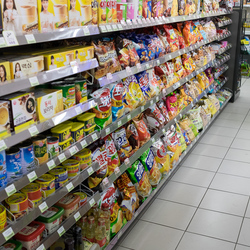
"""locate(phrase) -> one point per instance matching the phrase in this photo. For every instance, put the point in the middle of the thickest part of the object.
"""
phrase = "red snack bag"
(181, 39)
(188, 34)
(172, 106)
(172, 37)
(133, 136)
(163, 110)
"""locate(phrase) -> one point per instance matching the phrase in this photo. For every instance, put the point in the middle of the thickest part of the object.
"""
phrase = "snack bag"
(103, 110)
(181, 38)
(190, 7)
(185, 136)
(215, 101)
(174, 11)
(210, 106)
(123, 52)
(151, 120)
(130, 199)
(144, 135)
(163, 38)
(167, 7)
(172, 37)
(163, 110)
(200, 28)
(123, 147)
(140, 179)
(184, 124)
(194, 116)
(204, 116)
(210, 29)
(181, 7)
(132, 136)
(150, 165)
(156, 6)
(117, 91)
(181, 138)
(153, 83)
(143, 80)
(197, 6)
(172, 107)
(207, 6)
(188, 34)
(112, 156)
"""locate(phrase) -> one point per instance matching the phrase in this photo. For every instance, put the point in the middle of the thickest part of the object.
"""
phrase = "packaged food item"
(181, 7)
(147, 8)
(194, 116)
(77, 131)
(47, 183)
(52, 15)
(12, 244)
(114, 11)
(215, 101)
(102, 14)
(140, 179)
(143, 80)
(172, 107)
(167, 7)
(204, 116)
(83, 197)
(197, 6)
(181, 137)
(185, 124)
(132, 136)
(62, 132)
(4, 118)
(210, 29)
(17, 202)
(172, 37)
(84, 158)
(61, 176)
(5, 71)
(150, 165)
(72, 167)
(103, 110)
(163, 110)
(121, 8)
(207, 6)
(87, 119)
(13, 164)
(65, 144)
(154, 86)
(3, 216)
(33, 191)
(210, 106)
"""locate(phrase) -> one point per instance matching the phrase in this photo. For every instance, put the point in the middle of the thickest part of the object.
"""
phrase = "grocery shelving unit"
(48, 76)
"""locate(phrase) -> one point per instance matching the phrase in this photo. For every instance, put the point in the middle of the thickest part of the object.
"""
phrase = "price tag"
(157, 98)
(148, 20)
(30, 38)
(142, 108)
(158, 62)
(164, 91)
(107, 131)
(61, 231)
(11, 189)
(109, 76)
(2, 145)
(70, 187)
(119, 123)
(41, 247)
(62, 157)
(119, 26)
(90, 171)
(33, 131)
(151, 102)
(134, 21)
(153, 140)
(32, 176)
(92, 202)
(138, 65)
(103, 28)
(147, 66)
(144, 20)
(128, 70)
(77, 216)
(177, 84)
(83, 143)
(78, 110)
(117, 171)
(2, 42)
(163, 131)
(128, 117)
(33, 81)
(10, 38)
(127, 161)
(114, 26)
(170, 56)
(51, 164)
(108, 27)
(43, 207)
(73, 150)
(123, 23)
(175, 120)
(139, 21)
(94, 137)
(183, 18)
(119, 235)
(179, 53)
(129, 22)
(7, 234)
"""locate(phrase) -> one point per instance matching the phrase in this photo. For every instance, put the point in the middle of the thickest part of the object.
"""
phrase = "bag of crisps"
(184, 124)
(215, 101)
(154, 87)
(172, 106)
(143, 80)
(172, 37)
(210, 106)
(181, 138)
(132, 136)
(194, 116)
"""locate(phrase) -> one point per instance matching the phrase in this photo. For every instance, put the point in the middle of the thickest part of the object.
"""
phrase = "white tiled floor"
(206, 203)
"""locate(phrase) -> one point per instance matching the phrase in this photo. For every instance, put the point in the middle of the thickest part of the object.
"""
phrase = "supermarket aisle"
(206, 204)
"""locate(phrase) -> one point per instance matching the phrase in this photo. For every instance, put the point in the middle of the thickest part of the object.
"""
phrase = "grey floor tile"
(244, 238)
(247, 215)
(179, 217)
(193, 176)
(220, 201)
(182, 193)
(231, 108)
(202, 162)
(222, 131)
(192, 241)
(215, 224)
(241, 144)
(148, 236)
(235, 168)
(210, 150)
(245, 125)
(238, 155)
(228, 123)
(122, 248)
(229, 116)
(217, 140)
(240, 247)
(230, 183)
(243, 134)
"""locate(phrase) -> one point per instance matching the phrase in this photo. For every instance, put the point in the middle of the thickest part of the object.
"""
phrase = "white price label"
(177, 84)
(33, 131)
(73, 150)
(114, 27)
(164, 91)
(74, 64)
(94, 137)
(108, 27)
(83, 143)
(70, 187)
(128, 117)
(32, 176)
(90, 171)
(77, 216)
(103, 28)
(134, 21)
(107, 131)
(109, 76)
(163, 131)
(30, 38)
(179, 53)
(10, 37)
(127, 161)
(78, 110)
(129, 22)
(2, 145)
(175, 120)
(117, 171)
(92, 202)
(86, 31)
(158, 62)
(33, 81)
(62, 157)
(43, 207)
(7, 234)
(170, 56)
(139, 21)
(147, 66)
(105, 181)
(157, 98)
(138, 65)
(119, 124)
(123, 23)
(151, 102)
(41, 247)
(142, 108)
(128, 70)
(119, 235)
(51, 164)
(119, 26)
(11, 189)
(153, 140)
(61, 231)
(2, 42)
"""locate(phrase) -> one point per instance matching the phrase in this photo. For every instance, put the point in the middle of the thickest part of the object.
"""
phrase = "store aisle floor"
(205, 206)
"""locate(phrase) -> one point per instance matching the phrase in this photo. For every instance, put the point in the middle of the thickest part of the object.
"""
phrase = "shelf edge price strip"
(43, 207)
(61, 231)
(32, 176)
(7, 234)
(77, 216)
(11, 189)
(51, 164)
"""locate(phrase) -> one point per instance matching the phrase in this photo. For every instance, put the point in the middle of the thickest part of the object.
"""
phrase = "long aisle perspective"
(205, 205)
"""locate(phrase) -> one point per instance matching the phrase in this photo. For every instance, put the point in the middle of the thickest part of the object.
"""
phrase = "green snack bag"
(181, 138)
(194, 116)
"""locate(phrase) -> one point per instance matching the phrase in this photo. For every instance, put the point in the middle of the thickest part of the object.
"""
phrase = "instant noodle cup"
(77, 131)
(17, 202)
(88, 119)
(62, 131)
(47, 183)
(65, 144)
(83, 197)
(72, 167)
(3, 216)
(12, 244)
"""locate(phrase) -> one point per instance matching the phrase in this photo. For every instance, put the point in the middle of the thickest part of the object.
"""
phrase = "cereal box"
(102, 16)
(52, 15)
(4, 118)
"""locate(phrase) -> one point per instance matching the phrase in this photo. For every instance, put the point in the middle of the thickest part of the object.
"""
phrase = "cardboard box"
(5, 74)
(22, 17)
(4, 118)
(22, 110)
(52, 15)
(49, 102)
(82, 54)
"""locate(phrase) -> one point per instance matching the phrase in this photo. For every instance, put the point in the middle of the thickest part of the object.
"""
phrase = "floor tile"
(202, 162)
(244, 238)
(245, 125)
(247, 215)
(122, 248)
(182, 193)
(230, 183)
(235, 168)
(227, 123)
(234, 109)
(148, 236)
(241, 144)
(240, 247)
(225, 202)
(169, 214)
(193, 176)
(238, 155)
(217, 140)
(217, 130)
(229, 116)
(243, 134)
(192, 241)
(210, 150)
(215, 224)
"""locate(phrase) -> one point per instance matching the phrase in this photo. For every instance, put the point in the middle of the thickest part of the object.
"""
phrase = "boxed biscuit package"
(82, 54)
(52, 15)
(4, 71)
(20, 16)
(102, 15)
(4, 118)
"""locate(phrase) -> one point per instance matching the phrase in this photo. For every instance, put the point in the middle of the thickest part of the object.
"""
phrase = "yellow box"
(22, 17)
(52, 15)
(4, 118)
(82, 54)
(5, 74)
(49, 102)
(80, 12)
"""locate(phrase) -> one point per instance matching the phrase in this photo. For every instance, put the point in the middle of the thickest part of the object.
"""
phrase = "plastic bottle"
(78, 238)
(105, 214)
(69, 244)
(100, 233)
(90, 233)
